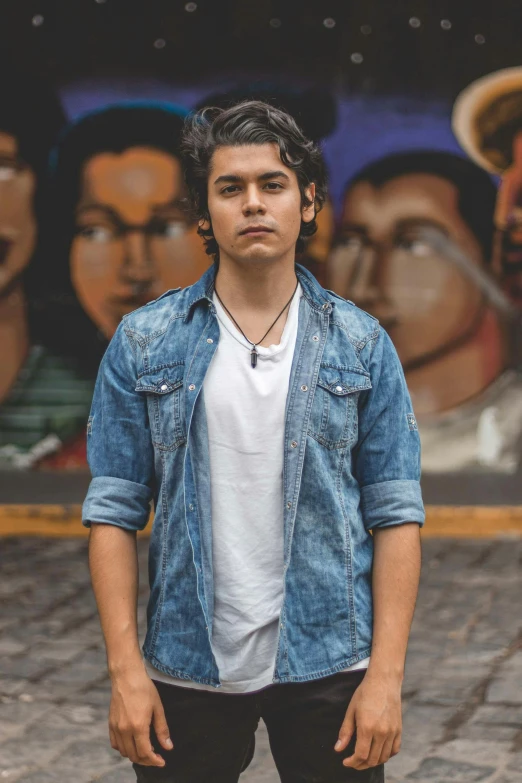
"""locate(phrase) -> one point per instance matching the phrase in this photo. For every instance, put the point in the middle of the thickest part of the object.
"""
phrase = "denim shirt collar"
(317, 297)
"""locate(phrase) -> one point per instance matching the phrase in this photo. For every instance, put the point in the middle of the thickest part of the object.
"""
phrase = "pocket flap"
(161, 383)
(343, 381)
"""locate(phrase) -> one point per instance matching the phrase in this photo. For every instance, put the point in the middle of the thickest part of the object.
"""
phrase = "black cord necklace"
(253, 352)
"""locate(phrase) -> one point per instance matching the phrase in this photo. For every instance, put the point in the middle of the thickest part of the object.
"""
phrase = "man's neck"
(14, 337)
(255, 293)
(257, 286)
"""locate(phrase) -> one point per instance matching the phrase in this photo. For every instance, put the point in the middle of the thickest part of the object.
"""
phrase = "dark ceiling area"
(413, 46)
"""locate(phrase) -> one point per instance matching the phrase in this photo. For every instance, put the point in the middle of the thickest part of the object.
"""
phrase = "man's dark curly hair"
(248, 122)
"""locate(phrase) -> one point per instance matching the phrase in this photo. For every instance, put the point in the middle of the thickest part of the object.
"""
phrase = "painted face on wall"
(17, 218)
(388, 264)
(132, 238)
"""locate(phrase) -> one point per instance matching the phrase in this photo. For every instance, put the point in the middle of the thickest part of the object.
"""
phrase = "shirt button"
(294, 444)
(210, 340)
(282, 626)
(339, 388)
(289, 505)
(191, 507)
(164, 387)
(315, 338)
(326, 306)
(304, 387)
(192, 387)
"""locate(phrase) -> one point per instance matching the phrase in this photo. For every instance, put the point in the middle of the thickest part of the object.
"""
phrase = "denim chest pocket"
(164, 392)
(334, 420)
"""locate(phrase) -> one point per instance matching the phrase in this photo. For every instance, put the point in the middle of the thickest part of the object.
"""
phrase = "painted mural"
(423, 229)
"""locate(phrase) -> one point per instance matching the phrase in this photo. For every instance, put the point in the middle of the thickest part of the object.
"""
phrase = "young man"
(269, 421)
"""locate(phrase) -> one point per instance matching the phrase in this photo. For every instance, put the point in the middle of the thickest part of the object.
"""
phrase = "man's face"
(254, 204)
(132, 240)
(387, 264)
(17, 218)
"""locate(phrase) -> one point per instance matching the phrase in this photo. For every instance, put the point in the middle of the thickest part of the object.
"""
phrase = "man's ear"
(204, 225)
(308, 212)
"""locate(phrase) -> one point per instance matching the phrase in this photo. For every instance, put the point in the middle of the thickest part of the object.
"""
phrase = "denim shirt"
(351, 464)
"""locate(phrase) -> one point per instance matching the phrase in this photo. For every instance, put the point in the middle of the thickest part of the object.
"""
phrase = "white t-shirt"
(245, 410)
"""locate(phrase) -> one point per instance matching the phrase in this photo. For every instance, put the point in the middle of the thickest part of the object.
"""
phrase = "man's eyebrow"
(228, 178)
(274, 175)
(233, 178)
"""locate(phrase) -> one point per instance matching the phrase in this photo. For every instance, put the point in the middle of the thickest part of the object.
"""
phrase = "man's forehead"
(247, 160)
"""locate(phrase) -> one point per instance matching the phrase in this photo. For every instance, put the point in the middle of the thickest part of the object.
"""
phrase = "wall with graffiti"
(423, 229)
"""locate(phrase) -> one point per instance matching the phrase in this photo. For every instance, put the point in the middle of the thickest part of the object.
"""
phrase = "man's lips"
(256, 230)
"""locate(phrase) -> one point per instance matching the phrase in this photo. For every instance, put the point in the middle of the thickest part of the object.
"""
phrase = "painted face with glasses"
(406, 255)
(394, 259)
(132, 237)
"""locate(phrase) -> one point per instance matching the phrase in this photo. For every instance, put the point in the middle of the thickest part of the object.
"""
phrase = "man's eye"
(274, 186)
(96, 233)
(230, 189)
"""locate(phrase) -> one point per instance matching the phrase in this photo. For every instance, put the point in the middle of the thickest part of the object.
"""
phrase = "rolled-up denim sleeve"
(119, 446)
(387, 456)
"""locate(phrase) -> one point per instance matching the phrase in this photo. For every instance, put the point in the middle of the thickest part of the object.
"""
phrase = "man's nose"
(253, 203)
(137, 266)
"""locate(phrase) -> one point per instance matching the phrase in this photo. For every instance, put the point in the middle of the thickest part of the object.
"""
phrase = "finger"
(161, 727)
(130, 748)
(376, 749)
(113, 740)
(386, 752)
(358, 760)
(346, 731)
(396, 744)
(120, 743)
(146, 754)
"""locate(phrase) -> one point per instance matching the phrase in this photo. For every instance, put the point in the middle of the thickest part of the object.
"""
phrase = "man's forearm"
(396, 571)
(113, 564)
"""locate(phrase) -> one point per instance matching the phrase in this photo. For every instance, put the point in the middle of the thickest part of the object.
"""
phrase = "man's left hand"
(375, 712)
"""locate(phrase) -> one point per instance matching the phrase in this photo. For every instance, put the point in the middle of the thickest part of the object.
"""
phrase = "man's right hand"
(135, 705)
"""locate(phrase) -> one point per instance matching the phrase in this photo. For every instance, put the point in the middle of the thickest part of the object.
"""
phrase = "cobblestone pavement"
(462, 694)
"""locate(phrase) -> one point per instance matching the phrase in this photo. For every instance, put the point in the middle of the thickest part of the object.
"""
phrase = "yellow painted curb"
(441, 521)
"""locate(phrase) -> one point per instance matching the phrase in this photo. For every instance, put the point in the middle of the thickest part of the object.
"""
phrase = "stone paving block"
(476, 751)
(24, 752)
(61, 650)
(65, 775)
(505, 715)
(22, 712)
(443, 771)
(404, 763)
(90, 755)
(478, 731)
(506, 689)
(11, 646)
(121, 774)
(24, 667)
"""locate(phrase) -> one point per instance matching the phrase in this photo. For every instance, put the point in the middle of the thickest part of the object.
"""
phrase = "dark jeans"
(213, 733)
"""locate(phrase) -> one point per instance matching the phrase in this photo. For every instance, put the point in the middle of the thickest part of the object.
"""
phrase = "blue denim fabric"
(351, 464)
